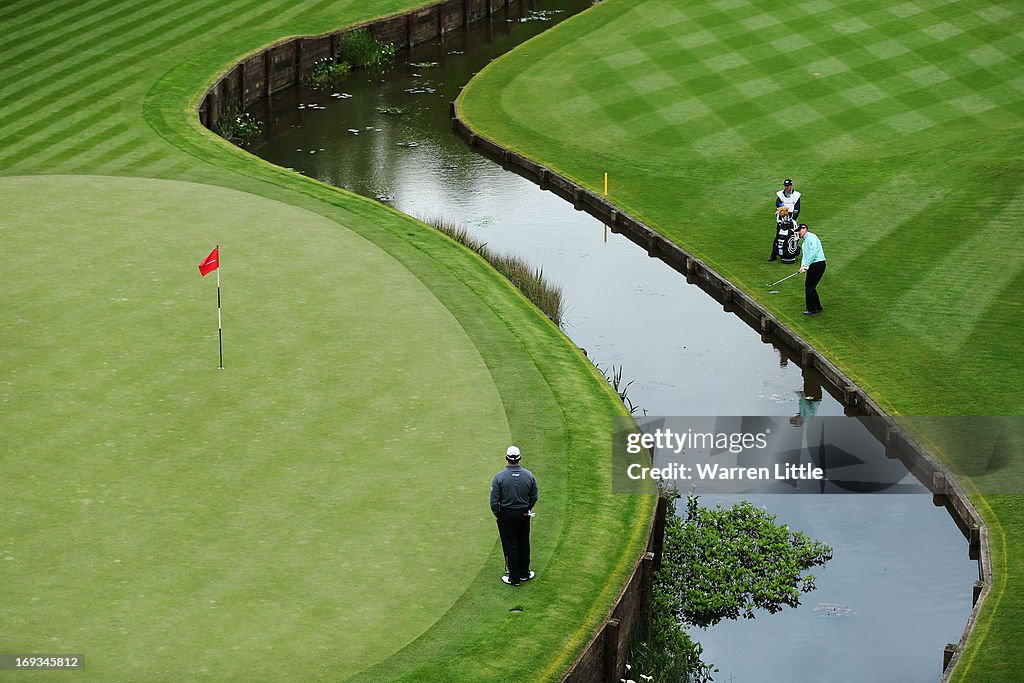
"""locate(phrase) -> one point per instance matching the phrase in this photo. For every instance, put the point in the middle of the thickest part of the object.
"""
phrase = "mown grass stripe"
(156, 164)
(182, 30)
(69, 126)
(28, 25)
(75, 81)
(64, 19)
(47, 120)
(90, 139)
(19, 11)
(173, 27)
(84, 31)
(105, 45)
(169, 168)
(130, 161)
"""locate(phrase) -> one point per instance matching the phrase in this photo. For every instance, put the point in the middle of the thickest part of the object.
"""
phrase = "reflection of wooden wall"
(288, 62)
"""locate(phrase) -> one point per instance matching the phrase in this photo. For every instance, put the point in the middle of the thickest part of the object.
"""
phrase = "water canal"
(899, 586)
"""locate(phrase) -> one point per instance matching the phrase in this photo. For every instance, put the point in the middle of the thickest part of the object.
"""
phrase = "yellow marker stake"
(606, 194)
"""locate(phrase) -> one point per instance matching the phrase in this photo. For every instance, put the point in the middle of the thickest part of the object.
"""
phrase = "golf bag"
(786, 245)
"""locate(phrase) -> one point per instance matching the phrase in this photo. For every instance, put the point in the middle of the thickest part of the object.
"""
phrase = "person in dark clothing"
(513, 495)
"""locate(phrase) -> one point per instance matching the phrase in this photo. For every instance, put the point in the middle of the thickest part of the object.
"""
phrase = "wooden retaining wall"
(286, 63)
(946, 491)
(605, 657)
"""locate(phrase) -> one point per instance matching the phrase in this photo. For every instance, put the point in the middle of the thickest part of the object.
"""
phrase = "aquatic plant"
(719, 563)
(359, 49)
(238, 128)
(672, 656)
(531, 282)
(527, 279)
(326, 74)
(615, 379)
(723, 563)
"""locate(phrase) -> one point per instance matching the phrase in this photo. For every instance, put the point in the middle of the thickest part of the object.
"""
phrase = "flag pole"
(212, 262)
(220, 330)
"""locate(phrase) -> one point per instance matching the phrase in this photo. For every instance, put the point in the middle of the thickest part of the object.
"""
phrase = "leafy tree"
(724, 563)
(717, 564)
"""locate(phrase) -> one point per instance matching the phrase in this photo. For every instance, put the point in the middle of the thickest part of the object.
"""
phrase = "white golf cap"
(512, 453)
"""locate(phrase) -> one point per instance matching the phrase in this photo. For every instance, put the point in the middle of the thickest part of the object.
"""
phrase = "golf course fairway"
(903, 126)
(317, 509)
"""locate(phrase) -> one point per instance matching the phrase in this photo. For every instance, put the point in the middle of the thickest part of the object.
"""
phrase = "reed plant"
(531, 282)
(615, 379)
(527, 279)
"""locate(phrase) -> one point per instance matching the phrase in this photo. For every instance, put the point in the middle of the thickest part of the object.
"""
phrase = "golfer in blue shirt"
(813, 264)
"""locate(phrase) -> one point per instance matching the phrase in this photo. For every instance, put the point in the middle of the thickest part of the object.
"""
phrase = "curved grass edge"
(570, 380)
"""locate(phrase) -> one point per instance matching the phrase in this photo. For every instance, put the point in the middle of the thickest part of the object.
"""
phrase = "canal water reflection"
(899, 586)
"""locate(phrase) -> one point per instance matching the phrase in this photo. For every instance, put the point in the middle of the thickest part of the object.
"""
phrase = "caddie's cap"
(787, 181)
(512, 454)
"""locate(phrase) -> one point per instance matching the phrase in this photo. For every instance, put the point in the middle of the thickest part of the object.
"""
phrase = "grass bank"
(903, 125)
(318, 508)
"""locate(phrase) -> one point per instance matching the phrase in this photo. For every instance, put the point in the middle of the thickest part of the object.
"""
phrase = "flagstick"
(220, 330)
(606, 194)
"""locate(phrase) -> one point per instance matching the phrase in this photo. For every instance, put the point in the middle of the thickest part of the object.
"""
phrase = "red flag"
(211, 263)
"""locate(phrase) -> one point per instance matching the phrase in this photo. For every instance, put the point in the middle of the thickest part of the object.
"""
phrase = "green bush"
(326, 73)
(359, 49)
(671, 656)
(719, 563)
(238, 128)
(724, 563)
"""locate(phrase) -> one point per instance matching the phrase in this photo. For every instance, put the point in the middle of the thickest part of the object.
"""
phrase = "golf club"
(783, 279)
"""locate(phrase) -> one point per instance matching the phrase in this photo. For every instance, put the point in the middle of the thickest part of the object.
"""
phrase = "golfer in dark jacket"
(513, 495)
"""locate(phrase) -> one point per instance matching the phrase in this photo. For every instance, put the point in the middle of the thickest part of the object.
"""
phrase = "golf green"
(262, 499)
(317, 509)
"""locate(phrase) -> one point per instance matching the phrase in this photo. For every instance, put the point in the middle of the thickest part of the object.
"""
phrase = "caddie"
(789, 198)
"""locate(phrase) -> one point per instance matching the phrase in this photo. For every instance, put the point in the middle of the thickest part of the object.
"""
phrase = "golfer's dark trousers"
(814, 273)
(514, 529)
